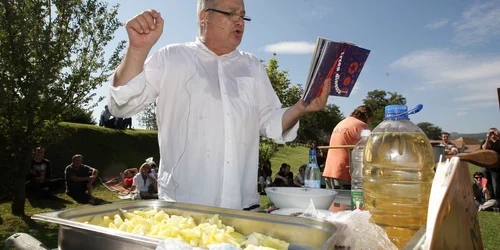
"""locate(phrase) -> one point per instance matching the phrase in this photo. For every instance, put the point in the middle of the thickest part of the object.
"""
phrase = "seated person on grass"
(145, 183)
(127, 177)
(284, 178)
(79, 179)
(482, 196)
(39, 183)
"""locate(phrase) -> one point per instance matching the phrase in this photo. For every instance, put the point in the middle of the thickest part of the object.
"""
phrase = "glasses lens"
(478, 177)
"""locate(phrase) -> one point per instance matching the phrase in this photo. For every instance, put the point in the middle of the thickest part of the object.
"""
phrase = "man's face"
(39, 153)
(446, 137)
(225, 31)
(287, 170)
(478, 178)
(77, 161)
(493, 134)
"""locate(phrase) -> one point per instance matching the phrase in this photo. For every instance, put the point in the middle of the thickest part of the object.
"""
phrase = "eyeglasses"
(231, 15)
(478, 177)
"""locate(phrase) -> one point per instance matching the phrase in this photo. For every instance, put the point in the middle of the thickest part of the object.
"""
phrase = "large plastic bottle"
(312, 177)
(398, 173)
(356, 170)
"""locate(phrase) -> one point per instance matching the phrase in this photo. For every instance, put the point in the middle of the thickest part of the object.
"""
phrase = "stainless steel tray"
(301, 233)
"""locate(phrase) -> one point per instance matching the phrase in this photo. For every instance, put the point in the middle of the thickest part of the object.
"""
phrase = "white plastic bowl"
(295, 197)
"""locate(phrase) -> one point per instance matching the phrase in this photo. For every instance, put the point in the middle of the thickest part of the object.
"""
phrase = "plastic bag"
(355, 231)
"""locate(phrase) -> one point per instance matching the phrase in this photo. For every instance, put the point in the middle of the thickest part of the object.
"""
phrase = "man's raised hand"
(145, 29)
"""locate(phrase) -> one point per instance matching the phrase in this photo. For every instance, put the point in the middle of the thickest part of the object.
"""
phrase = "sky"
(442, 54)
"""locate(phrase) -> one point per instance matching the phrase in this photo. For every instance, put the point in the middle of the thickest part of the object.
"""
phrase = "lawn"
(295, 156)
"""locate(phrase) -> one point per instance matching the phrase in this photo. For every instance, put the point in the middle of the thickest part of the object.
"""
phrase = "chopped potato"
(158, 224)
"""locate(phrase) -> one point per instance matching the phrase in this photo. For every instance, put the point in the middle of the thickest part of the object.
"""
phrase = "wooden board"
(452, 218)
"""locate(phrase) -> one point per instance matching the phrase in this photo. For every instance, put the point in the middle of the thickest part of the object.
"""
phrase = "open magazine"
(340, 61)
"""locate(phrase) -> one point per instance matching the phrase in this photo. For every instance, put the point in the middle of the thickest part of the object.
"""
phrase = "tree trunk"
(22, 162)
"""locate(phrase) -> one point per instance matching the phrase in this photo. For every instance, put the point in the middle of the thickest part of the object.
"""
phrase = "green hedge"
(108, 150)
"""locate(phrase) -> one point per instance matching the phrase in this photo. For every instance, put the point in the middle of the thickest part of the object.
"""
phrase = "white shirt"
(210, 112)
(139, 183)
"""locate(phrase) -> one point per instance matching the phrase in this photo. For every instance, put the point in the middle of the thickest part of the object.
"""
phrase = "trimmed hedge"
(108, 150)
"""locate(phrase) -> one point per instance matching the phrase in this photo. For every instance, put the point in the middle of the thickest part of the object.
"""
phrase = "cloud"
(462, 113)
(479, 24)
(290, 48)
(437, 24)
(474, 76)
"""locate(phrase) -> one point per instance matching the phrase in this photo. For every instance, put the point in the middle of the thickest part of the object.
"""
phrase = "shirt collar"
(231, 54)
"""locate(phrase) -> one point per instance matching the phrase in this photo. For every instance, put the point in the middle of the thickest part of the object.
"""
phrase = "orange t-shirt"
(347, 132)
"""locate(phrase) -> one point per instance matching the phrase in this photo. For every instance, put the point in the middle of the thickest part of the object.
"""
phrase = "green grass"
(295, 156)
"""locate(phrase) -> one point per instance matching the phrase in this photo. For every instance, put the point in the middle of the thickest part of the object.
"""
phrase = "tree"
(376, 100)
(51, 59)
(319, 125)
(79, 115)
(147, 118)
(432, 131)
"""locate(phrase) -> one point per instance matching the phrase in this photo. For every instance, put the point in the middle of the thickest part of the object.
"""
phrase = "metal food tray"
(301, 233)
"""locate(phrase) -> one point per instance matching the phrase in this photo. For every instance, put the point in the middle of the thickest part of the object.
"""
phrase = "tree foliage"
(51, 59)
(147, 118)
(319, 125)
(376, 100)
(79, 115)
(432, 131)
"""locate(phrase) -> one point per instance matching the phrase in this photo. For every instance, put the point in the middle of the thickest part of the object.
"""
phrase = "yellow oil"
(398, 174)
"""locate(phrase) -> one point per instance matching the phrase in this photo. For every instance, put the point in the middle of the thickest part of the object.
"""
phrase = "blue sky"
(442, 54)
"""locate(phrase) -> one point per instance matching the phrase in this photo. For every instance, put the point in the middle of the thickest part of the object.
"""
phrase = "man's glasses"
(231, 15)
(478, 177)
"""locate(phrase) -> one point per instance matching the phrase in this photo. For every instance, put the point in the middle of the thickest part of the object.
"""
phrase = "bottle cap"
(393, 111)
(312, 152)
(365, 133)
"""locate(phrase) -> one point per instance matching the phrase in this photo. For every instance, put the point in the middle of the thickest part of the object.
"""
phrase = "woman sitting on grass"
(145, 183)
(127, 177)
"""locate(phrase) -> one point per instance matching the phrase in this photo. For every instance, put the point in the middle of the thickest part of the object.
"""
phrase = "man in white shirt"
(213, 102)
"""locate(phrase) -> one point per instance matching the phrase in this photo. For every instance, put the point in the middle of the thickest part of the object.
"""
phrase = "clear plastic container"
(398, 173)
(356, 170)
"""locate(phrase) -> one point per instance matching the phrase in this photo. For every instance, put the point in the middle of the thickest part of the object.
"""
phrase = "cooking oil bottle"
(398, 173)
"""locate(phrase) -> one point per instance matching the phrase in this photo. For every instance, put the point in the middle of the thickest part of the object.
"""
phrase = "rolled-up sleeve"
(135, 96)
(271, 113)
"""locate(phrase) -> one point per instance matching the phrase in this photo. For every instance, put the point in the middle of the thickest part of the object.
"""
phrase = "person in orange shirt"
(347, 132)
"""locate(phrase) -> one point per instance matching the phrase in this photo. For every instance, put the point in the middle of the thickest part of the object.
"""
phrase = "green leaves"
(51, 60)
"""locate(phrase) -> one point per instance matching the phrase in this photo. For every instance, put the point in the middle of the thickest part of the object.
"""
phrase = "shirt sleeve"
(271, 112)
(69, 172)
(135, 96)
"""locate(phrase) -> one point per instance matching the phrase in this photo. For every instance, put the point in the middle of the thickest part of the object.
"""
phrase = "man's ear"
(201, 16)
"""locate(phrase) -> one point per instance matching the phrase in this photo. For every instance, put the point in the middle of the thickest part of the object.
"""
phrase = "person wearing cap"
(347, 132)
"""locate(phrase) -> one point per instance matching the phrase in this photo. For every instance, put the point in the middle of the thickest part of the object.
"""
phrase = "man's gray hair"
(204, 4)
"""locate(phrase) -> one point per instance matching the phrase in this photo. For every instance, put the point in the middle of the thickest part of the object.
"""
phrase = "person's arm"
(296, 182)
(293, 114)
(143, 32)
(487, 194)
(153, 181)
(136, 82)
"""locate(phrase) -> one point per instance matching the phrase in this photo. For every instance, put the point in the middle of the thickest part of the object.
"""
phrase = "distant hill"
(479, 136)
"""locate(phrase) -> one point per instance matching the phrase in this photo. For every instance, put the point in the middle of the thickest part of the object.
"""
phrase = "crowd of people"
(79, 179)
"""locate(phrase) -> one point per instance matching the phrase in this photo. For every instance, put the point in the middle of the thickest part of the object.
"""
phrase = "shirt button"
(227, 114)
(227, 162)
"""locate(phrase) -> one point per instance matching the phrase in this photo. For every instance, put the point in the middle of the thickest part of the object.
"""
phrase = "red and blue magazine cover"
(342, 62)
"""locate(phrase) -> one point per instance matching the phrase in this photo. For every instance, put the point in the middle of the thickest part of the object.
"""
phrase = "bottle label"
(357, 199)
(312, 184)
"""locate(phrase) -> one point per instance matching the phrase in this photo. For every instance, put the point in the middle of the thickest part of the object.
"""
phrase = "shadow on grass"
(44, 232)
(53, 202)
